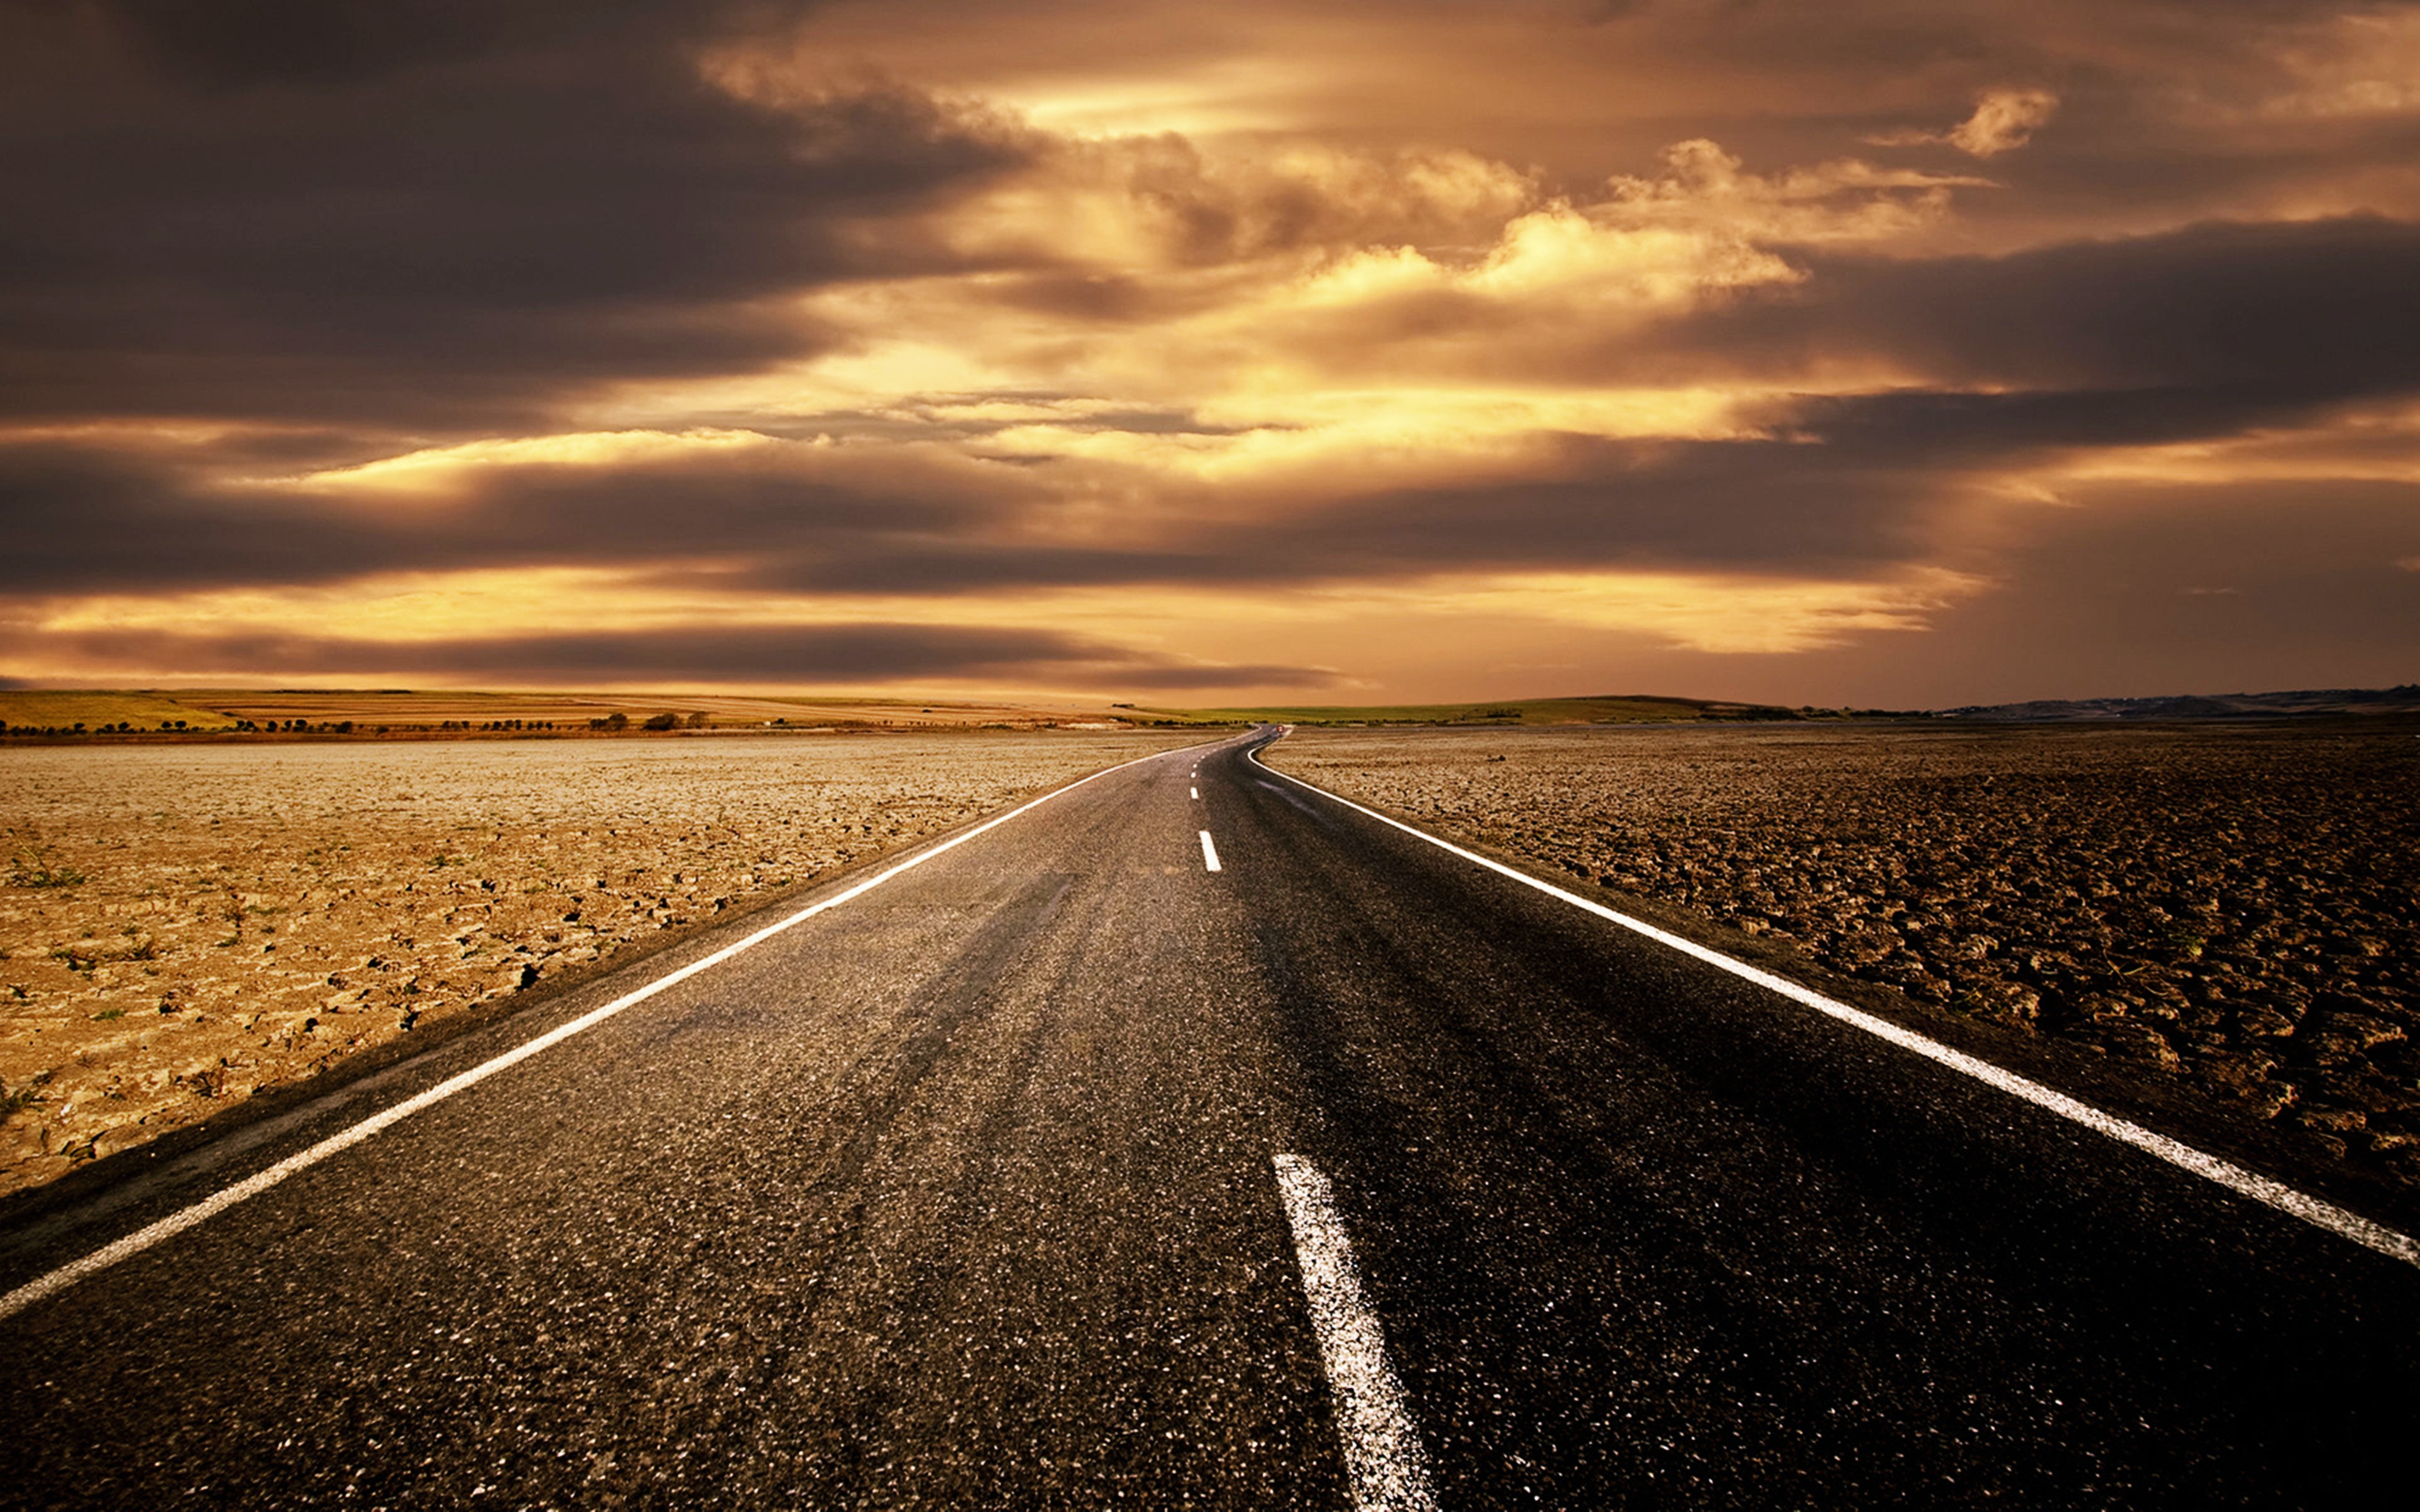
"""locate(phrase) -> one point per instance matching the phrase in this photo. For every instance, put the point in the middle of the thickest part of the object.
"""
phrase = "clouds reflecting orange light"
(1398, 352)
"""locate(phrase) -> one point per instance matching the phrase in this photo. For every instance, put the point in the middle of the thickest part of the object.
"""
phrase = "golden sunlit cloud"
(399, 607)
(444, 469)
(1308, 345)
(1720, 614)
(2003, 120)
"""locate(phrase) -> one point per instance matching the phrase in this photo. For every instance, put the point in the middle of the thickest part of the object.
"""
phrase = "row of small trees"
(614, 721)
(667, 720)
(119, 727)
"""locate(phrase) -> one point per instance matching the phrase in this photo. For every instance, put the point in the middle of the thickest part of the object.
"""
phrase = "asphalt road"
(967, 1192)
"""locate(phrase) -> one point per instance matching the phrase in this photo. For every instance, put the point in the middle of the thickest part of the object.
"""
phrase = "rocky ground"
(2232, 908)
(181, 926)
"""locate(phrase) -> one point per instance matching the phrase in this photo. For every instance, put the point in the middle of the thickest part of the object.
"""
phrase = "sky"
(1864, 352)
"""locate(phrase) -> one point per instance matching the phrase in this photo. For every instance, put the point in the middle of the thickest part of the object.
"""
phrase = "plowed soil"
(2229, 910)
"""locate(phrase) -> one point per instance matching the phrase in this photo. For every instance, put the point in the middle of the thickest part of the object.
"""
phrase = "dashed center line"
(1383, 1455)
(1209, 852)
(1196, 791)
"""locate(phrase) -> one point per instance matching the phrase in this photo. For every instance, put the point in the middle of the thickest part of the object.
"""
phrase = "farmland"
(184, 925)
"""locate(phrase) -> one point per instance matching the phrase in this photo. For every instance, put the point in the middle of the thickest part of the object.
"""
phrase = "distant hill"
(2330, 702)
(1608, 709)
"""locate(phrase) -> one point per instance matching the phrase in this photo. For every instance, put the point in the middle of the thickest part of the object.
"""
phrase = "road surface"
(1190, 1139)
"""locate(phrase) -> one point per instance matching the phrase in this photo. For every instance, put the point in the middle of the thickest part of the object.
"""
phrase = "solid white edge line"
(1209, 853)
(1383, 1456)
(2225, 1173)
(259, 1181)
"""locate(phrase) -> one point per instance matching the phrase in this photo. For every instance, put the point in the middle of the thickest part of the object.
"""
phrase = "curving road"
(1190, 1139)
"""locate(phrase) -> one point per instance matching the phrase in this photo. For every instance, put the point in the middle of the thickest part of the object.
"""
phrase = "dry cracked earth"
(182, 926)
(2230, 909)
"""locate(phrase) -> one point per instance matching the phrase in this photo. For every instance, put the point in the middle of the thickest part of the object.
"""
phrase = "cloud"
(2016, 368)
(1266, 331)
(1161, 204)
(2289, 315)
(2003, 120)
(2365, 64)
(426, 216)
(1844, 200)
(240, 43)
(1988, 375)
(780, 654)
(710, 501)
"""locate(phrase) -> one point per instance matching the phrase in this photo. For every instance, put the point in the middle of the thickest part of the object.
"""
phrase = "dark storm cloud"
(1859, 488)
(2290, 315)
(799, 654)
(426, 214)
(84, 519)
(240, 42)
(88, 522)
(1777, 506)
(1736, 506)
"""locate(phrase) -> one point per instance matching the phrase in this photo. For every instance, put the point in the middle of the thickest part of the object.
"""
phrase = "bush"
(662, 721)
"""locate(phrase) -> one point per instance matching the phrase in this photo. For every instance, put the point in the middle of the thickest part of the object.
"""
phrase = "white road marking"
(2227, 1174)
(1209, 852)
(1196, 791)
(1383, 1456)
(251, 1186)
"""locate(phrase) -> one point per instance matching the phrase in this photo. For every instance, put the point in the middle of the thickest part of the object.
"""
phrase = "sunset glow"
(1883, 353)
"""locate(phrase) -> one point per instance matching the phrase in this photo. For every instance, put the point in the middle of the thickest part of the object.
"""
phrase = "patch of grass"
(108, 1014)
(32, 866)
(29, 1095)
(93, 708)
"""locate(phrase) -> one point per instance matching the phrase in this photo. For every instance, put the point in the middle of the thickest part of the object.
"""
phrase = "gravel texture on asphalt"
(2230, 909)
(181, 926)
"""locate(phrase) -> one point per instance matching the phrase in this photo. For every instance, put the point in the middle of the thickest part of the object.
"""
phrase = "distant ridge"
(2313, 701)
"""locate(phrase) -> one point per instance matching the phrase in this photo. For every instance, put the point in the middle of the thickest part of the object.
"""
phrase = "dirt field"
(184, 925)
(106, 715)
(2232, 908)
